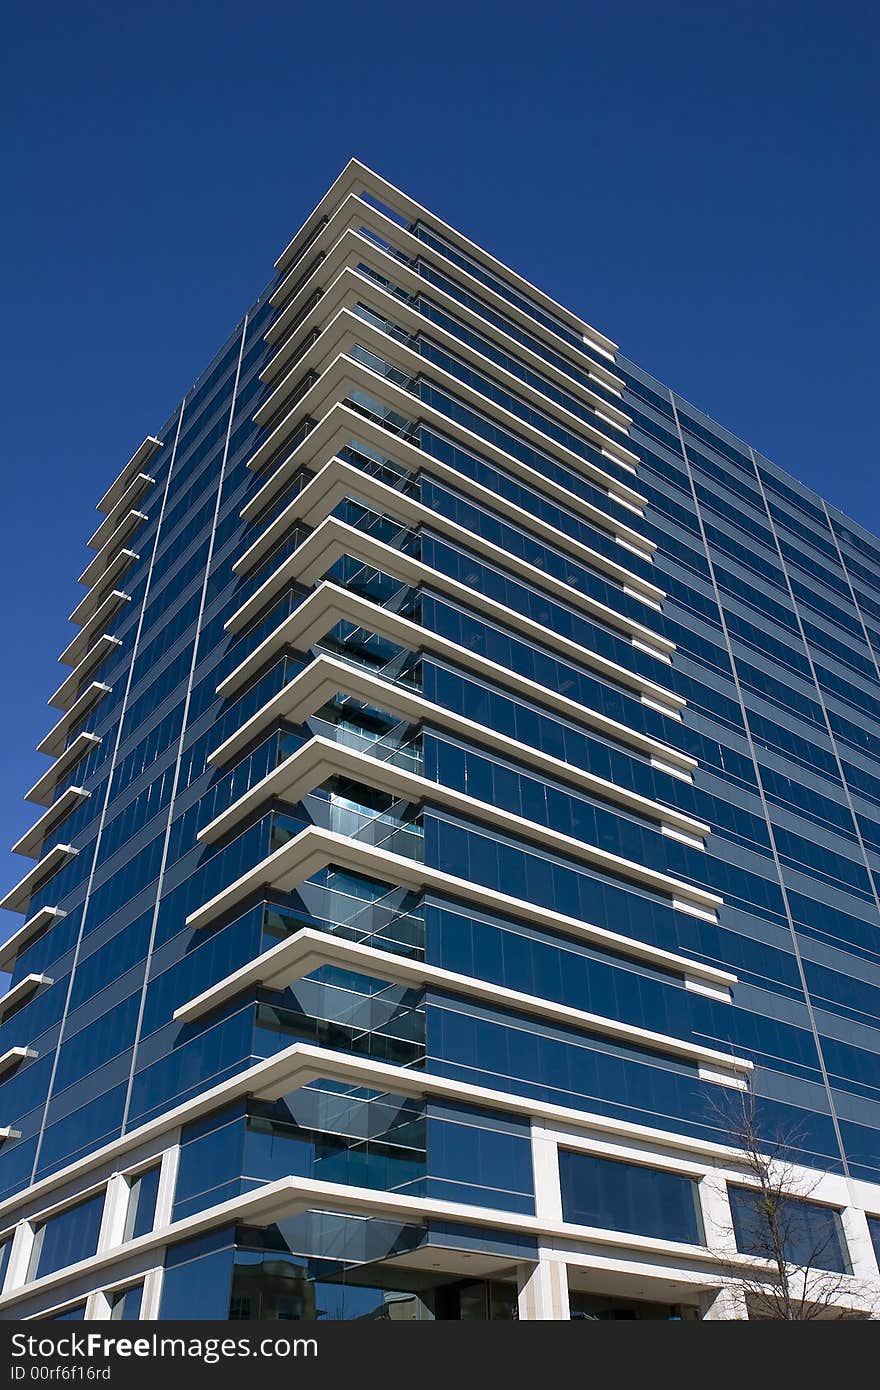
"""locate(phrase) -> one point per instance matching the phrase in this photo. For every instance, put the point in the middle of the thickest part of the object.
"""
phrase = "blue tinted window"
(628, 1197)
(141, 1215)
(198, 1276)
(209, 1162)
(126, 1304)
(67, 1238)
(806, 1234)
(874, 1228)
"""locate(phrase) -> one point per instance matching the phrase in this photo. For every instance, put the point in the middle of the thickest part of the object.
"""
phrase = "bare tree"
(802, 1241)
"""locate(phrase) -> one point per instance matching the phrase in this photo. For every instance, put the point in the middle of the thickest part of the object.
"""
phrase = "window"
(807, 1234)
(70, 1236)
(143, 1191)
(628, 1197)
(873, 1227)
(5, 1252)
(198, 1274)
(125, 1304)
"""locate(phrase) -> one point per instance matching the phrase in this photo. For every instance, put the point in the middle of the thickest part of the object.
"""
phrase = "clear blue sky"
(693, 178)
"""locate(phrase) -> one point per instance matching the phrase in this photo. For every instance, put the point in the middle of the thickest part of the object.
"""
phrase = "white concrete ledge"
(310, 950)
(351, 251)
(349, 288)
(347, 329)
(96, 595)
(338, 480)
(332, 539)
(320, 759)
(339, 424)
(32, 840)
(77, 648)
(97, 567)
(20, 992)
(329, 604)
(327, 676)
(43, 790)
(102, 533)
(13, 1058)
(55, 741)
(342, 426)
(357, 177)
(707, 1072)
(13, 946)
(301, 1064)
(286, 1197)
(17, 898)
(138, 460)
(313, 849)
(67, 693)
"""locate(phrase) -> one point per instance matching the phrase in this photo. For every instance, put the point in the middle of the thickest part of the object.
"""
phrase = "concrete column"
(543, 1287)
(716, 1214)
(19, 1256)
(152, 1294)
(859, 1243)
(545, 1173)
(726, 1304)
(167, 1184)
(98, 1306)
(543, 1290)
(115, 1213)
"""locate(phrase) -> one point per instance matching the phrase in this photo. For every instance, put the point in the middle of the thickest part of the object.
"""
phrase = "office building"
(464, 792)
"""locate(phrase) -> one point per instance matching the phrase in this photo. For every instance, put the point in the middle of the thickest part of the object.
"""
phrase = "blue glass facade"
(593, 823)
